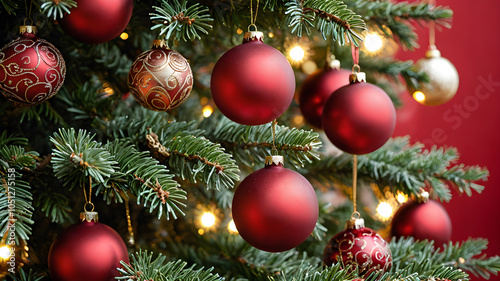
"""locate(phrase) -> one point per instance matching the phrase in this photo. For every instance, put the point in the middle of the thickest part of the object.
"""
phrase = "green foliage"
(176, 20)
(143, 267)
(21, 275)
(57, 9)
(54, 205)
(331, 18)
(313, 273)
(9, 6)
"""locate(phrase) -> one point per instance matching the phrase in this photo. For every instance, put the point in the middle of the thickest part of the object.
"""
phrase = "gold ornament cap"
(27, 29)
(355, 223)
(253, 36)
(159, 43)
(89, 217)
(357, 77)
(432, 53)
(275, 160)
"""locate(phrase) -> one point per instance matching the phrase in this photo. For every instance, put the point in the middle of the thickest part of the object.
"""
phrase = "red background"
(470, 121)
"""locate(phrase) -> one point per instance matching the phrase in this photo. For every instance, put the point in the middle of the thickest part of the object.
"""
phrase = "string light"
(419, 96)
(207, 219)
(402, 198)
(124, 36)
(4, 252)
(373, 42)
(239, 31)
(232, 227)
(384, 210)
(201, 231)
(270, 34)
(297, 53)
(207, 111)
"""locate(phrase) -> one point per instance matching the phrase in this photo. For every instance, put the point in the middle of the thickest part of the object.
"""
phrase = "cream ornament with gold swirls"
(32, 70)
(160, 79)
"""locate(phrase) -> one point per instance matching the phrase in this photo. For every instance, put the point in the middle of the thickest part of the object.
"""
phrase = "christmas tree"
(155, 115)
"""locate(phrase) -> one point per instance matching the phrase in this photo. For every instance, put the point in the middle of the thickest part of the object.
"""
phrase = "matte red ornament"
(360, 247)
(316, 89)
(422, 221)
(275, 209)
(97, 21)
(31, 69)
(160, 79)
(87, 251)
(252, 83)
(359, 118)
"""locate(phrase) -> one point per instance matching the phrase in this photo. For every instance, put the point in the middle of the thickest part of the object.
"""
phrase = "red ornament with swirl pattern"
(360, 247)
(160, 79)
(31, 69)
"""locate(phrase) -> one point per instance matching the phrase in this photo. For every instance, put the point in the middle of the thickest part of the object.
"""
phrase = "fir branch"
(406, 168)
(10, 6)
(21, 275)
(57, 8)
(142, 266)
(251, 144)
(312, 273)
(41, 113)
(331, 18)
(178, 21)
(12, 139)
(54, 205)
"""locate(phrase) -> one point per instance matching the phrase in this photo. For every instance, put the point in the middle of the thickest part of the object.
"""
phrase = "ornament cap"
(432, 53)
(159, 43)
(253, 36)
(355, 223)
(27, 29)
(275, 160)
(423, 197)
(357, 77)
(89, 217)
(334, 64)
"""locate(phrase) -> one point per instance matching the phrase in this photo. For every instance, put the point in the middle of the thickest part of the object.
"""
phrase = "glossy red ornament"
(86, 251)
(160, 79)
(359, 118)
(31, 69)
(275, 209)
(252, 83)
(360, 247)
(316, 89)
(97, 21)
(422, 221)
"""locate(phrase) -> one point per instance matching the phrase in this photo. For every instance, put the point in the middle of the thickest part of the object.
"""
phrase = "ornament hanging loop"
(355, 215)
(254, 27)
(88, 200)
(356, 68)
(88, 204)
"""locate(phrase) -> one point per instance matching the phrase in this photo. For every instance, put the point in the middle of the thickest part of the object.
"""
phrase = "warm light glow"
(373, 42)
(109, 91)
(297, 53)
(384, 210)
(207, 111)
(201, 231)
(232, 227)
(309, 66)
(298, 120)
(239, 31)
(204, 100)
(207, 219)
(401, 198)
(419, 96)
(271, 35)
(4, 252)
(124, 36)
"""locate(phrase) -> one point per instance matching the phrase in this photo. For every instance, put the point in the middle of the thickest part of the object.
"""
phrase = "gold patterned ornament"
(443, 83)
(160, 79)
(31, 69)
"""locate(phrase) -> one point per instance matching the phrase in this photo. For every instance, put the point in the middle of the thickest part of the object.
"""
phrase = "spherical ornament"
(422, 221)
(360, 247)
(97, 21)
(316, 89)
(443, 83)
(31, 69)
(160, 79)
(359, 118)
(252, 83)
(87, 251)
(275, 209)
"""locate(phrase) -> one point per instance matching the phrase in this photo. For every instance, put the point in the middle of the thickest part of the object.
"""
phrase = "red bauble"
(360, 247)
(252, 83)
(87, 251)
(97, 21)
(160, 79)
(316, 89)
(359, 118)
(422, 221)
(275, 209)
(31, 69)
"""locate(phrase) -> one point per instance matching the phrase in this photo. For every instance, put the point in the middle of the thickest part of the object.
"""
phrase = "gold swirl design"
(160, 79)
(31, 70)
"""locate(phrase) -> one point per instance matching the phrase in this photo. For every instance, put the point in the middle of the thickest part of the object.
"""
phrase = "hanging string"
(252, 18)
(274, 150)
(355, 58)
(131, 239)
(355, 213)
(432, 29)
(88, 200)
(28, 14)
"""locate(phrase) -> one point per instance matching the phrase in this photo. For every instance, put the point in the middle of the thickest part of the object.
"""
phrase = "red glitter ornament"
(87, 251)
(97, 21)
(275, 209)
(252, 83)
(160, 79)
(359, 118)
(31, 69)
(360, 247)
